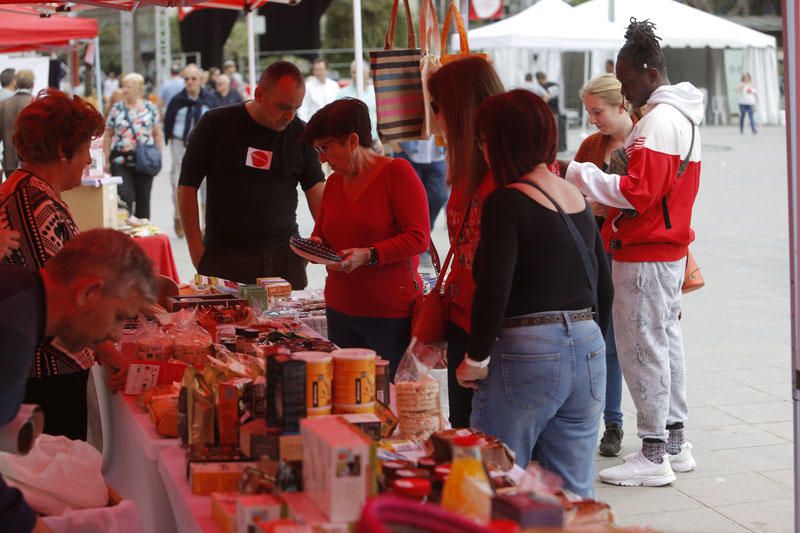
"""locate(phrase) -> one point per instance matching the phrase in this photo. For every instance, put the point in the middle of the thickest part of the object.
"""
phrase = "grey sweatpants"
(647, 302)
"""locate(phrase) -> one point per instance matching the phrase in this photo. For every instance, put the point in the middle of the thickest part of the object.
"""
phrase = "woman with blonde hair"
(131, 122)
(457, 91)
(608, 112)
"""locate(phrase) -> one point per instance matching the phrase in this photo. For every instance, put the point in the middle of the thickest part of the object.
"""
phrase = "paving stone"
(784, 430)
(760, 413)
(731, 489)
(741, 436)
(762, 458)
(685, 521)
(707, 416)
(775, 516)
(637, 500)
(728, 396)
(784, 477)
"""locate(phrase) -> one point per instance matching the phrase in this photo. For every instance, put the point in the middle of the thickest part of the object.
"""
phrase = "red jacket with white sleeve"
(660, 229)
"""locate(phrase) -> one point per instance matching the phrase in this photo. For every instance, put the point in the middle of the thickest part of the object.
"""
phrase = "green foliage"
(236, 45)
(338, 29)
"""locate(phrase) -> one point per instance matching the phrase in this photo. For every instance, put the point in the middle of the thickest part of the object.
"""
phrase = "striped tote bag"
(398, 84)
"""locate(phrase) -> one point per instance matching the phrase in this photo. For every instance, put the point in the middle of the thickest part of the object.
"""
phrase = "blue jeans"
(389, 337)
(545, 388)
(613, 406)
(745, 109)
(433, 179)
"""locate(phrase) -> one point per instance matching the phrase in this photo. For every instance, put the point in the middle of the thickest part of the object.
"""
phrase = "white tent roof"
(679, 25)
(550, 24)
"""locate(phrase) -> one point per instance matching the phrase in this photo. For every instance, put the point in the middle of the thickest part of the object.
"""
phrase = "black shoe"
(611, 443)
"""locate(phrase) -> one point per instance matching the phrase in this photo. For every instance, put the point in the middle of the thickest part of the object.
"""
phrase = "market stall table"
(159, 250)
(133, 470)
(192, 513)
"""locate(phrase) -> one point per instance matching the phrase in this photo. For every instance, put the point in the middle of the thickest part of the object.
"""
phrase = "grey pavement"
(737, 340)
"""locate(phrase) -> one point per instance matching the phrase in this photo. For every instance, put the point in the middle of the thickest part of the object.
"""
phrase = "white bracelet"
(477, 364)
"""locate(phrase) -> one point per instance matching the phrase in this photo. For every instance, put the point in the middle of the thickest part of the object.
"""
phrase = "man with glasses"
(183, 114)
(252, 158)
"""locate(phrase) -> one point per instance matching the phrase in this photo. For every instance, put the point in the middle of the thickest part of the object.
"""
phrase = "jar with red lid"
(414, 488)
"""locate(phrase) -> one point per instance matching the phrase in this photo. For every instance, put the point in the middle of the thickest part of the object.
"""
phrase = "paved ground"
(737, 346)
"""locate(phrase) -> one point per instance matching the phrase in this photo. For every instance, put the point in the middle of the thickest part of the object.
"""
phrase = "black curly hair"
(642, 46)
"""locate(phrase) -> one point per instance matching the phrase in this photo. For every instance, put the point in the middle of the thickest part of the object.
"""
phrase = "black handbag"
(146, 156)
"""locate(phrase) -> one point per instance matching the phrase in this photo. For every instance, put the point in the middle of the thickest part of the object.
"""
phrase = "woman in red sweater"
(457, 90)
(607, 110)
(374, 212)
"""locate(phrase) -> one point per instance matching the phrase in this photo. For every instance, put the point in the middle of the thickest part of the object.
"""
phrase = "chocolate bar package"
(495, 454)
(234, 400)
(286, 393)
(528, 511)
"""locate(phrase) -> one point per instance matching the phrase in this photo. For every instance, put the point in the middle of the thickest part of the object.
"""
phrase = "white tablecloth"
(192, 513)
(133, 467)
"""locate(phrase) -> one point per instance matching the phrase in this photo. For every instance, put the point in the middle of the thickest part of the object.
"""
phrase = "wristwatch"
(477, 364)
(373, 256)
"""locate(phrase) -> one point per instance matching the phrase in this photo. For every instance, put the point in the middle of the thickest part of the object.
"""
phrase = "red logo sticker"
(260, 159)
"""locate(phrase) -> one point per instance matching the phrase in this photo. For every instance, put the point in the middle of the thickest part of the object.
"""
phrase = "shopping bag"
(398, 84)
(430, 62)
(453, 12)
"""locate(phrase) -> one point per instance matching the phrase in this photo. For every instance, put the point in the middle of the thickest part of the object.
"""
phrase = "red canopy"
(129, 5)
(21, 28)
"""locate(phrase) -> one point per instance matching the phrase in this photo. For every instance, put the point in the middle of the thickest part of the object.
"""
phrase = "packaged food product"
(319, 381)
(353, 378)
(152, 344)
(468, 490)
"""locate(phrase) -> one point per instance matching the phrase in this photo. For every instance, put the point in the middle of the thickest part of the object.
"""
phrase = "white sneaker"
(684, 461)
(638, 470)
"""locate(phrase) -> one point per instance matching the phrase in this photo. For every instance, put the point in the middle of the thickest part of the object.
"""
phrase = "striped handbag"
(398, 85)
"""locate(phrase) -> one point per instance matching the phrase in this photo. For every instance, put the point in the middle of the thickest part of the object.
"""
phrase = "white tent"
(534, 39)
(548, 24)
(681, 27)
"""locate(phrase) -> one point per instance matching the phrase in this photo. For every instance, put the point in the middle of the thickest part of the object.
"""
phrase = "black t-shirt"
(252, 174)
(527, 262)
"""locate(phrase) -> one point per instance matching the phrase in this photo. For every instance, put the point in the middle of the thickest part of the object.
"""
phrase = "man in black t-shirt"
(252, 158)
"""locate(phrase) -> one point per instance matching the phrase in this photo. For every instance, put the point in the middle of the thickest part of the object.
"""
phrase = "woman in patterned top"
(53, 136)
(132, 121)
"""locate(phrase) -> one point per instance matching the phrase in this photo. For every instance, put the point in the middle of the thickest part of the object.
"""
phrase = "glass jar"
(468, 489)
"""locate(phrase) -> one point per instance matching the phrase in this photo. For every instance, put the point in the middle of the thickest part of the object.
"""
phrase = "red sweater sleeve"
(409, 204)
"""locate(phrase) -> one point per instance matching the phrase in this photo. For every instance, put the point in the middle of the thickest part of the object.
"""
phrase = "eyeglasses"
(435, 108)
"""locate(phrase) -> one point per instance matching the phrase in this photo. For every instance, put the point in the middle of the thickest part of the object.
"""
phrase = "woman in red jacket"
(374, 212)
(457, 90)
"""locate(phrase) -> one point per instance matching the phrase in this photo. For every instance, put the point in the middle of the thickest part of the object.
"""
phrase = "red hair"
(520, 133)
(54, 125)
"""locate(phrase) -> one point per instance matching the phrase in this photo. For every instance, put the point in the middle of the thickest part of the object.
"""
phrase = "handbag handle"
(429, 29)
(576, 236)
(462, 31)
(388, 43)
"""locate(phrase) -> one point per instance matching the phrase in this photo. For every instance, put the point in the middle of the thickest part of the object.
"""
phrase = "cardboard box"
(93, 206)
(256, 440)
(231, 395)
(176, 303)
(339, 467)
(223, 510)
(205, 478)
(370, 425)
(254, 508)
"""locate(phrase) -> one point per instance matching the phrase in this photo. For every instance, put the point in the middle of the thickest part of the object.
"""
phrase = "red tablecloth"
(158, 248)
